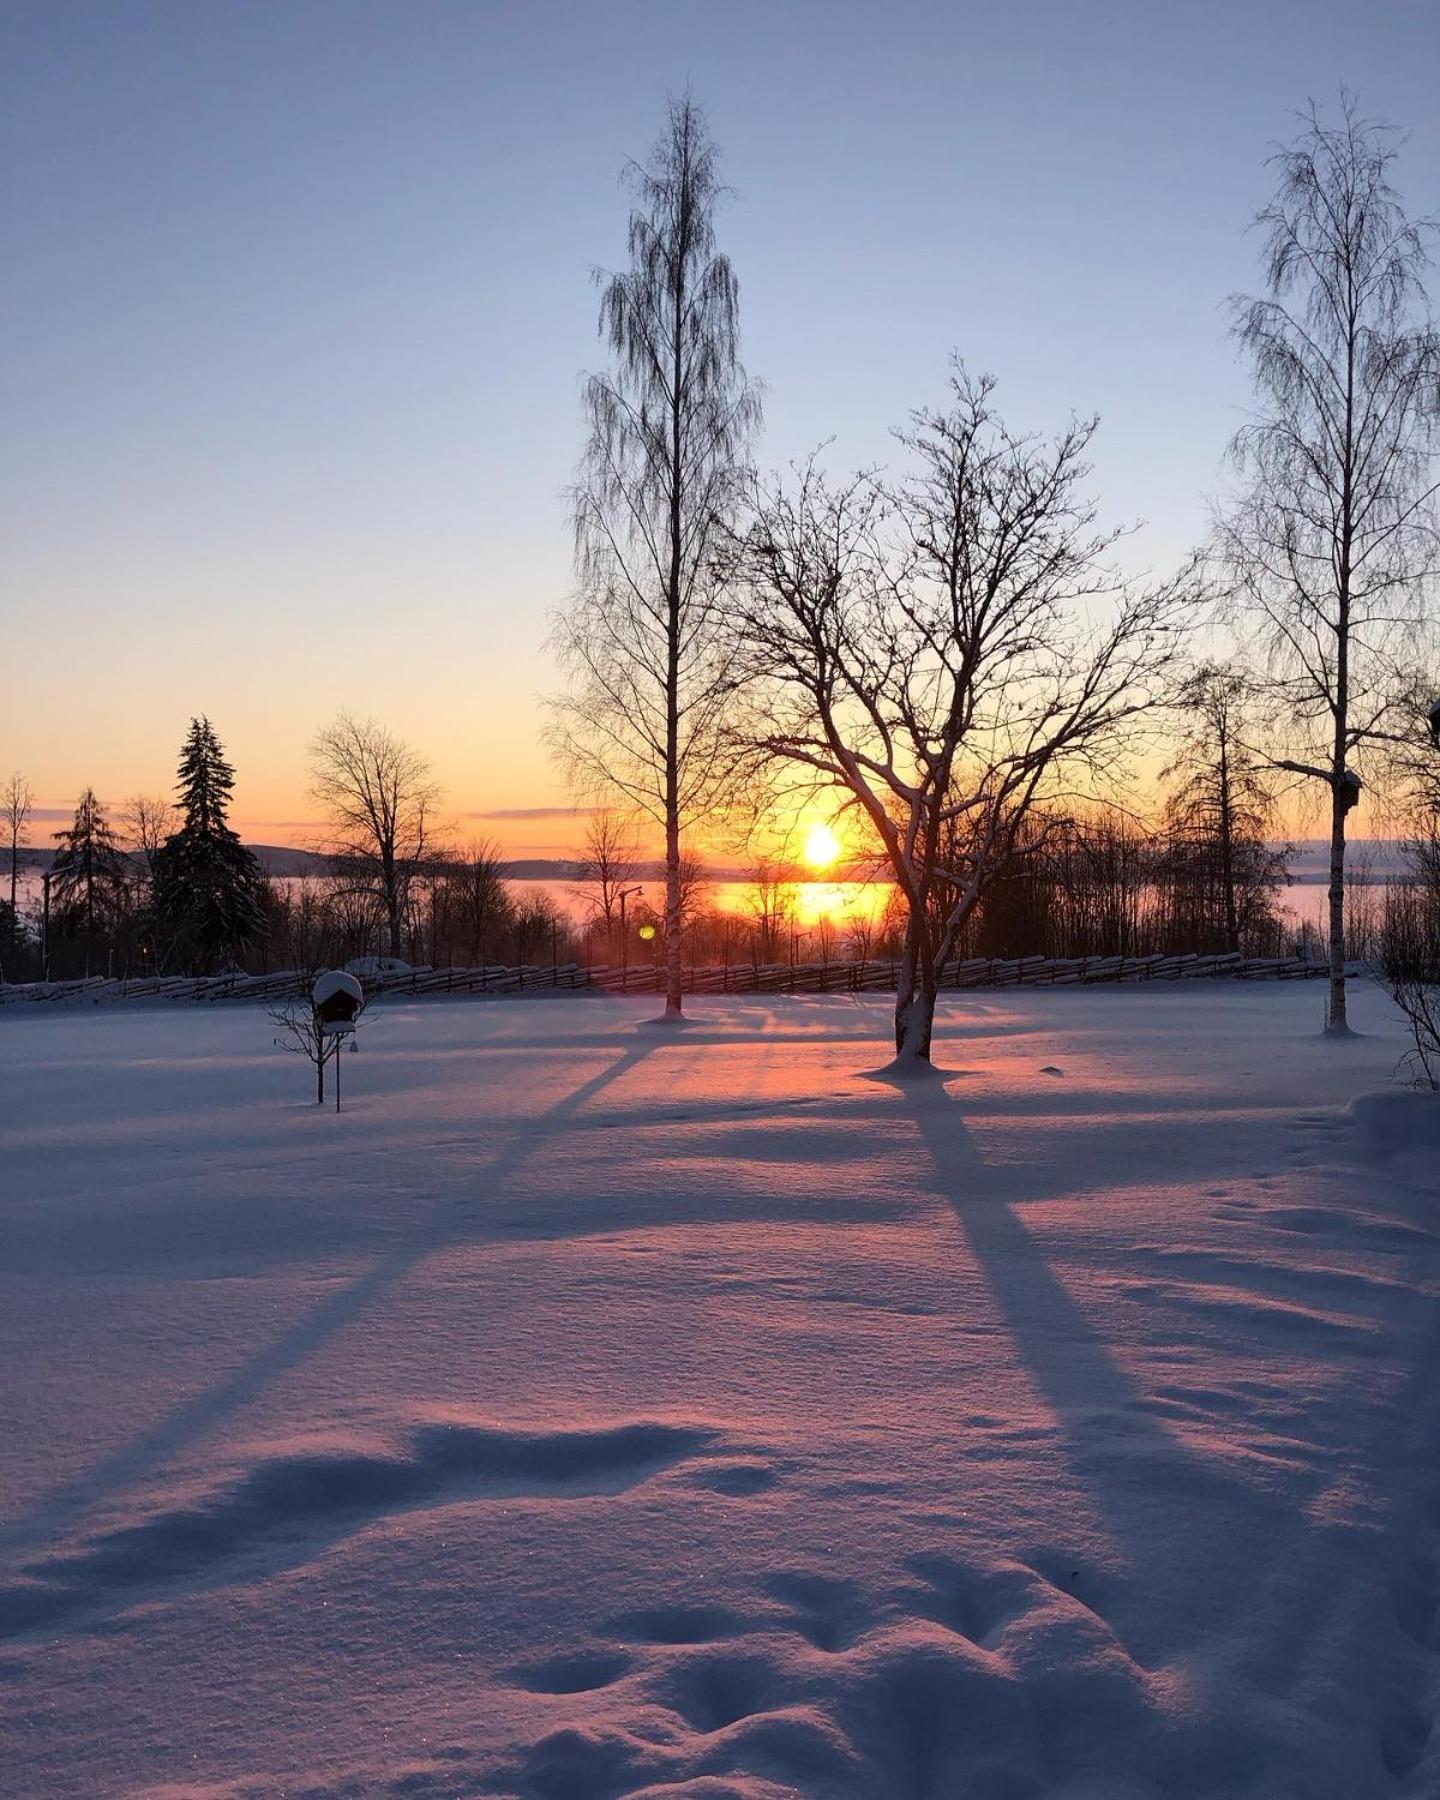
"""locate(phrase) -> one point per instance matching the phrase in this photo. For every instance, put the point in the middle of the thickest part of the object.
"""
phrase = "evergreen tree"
(207, 885)
(11, 942)
(88, 877)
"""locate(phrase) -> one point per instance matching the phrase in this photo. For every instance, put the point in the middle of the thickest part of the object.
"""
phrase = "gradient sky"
(295, 297)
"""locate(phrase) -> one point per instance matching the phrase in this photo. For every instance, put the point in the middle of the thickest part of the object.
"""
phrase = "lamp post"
(623, 896)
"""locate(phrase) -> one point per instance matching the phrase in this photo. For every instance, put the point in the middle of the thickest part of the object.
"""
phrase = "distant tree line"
(166, 887)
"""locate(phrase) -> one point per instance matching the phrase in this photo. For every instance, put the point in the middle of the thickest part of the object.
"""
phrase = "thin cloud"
(534, 812)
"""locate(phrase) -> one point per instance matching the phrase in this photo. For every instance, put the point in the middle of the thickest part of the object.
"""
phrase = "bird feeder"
(1433, 717)
(337, 999)
(1350, 785)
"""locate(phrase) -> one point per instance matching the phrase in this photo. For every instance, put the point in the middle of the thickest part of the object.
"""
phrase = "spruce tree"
(207, 884)
(88, 876)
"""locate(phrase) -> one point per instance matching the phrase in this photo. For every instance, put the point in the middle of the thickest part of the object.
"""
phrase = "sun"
(822, 847)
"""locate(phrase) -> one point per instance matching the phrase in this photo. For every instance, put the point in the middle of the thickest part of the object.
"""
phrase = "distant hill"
(280, 859)
(1311, 862)
(1309, 865)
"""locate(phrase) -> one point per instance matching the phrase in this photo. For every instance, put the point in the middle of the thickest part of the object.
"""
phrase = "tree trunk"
(1336, 1023)
(915, 994)
(1227, 853)
(674, 1000)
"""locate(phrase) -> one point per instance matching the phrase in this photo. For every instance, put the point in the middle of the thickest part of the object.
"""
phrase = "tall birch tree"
(669, 426)
(1331, 539)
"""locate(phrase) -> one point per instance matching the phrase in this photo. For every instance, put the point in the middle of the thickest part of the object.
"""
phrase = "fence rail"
(730, 978)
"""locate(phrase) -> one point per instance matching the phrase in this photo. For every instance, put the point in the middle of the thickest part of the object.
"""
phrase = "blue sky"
(296, 297)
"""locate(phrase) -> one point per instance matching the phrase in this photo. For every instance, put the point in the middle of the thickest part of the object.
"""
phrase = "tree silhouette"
(207, 885)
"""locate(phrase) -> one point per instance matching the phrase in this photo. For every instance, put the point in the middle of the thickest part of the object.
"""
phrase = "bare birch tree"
(669, 423)
(769, 909)
(949, 652)
(1330, 542)
(17, 799)
(380, 801)
(477, 902)
(147, 821)
(609, 861)
(1218, 870)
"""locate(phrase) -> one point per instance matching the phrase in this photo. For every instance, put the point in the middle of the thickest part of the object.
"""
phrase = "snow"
(590, 1410)
(1399, 1119)
(333, 982)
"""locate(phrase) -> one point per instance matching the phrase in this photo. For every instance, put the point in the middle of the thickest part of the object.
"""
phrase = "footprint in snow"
(577, 1672)
(829, 1612)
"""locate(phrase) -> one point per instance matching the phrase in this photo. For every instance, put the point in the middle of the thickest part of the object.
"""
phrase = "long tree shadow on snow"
(1177, 1518)
(49, 1516)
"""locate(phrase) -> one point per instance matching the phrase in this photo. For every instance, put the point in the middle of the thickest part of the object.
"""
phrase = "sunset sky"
(296, 298)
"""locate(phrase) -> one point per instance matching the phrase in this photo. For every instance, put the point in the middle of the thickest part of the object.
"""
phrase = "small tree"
(1219, 873)
(88, 877)
(1330, 543)
(475, 903)
(536, 925)
(1410, 951)
(609, 862)
(930, 649)
(303, 935)
(148, 820)
(380, 799)
(207, 885)
(16, 801)
(302, 1034)
(769, 909)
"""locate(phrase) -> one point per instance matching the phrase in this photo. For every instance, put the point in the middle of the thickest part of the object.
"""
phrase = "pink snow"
(590, 1410)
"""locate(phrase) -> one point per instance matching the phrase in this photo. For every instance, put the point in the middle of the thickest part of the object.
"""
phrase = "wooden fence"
(730, 978)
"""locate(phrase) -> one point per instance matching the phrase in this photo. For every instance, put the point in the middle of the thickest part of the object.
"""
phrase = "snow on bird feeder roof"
(336, 997)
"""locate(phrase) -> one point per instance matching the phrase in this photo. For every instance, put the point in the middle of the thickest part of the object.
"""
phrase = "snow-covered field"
(593, 1410)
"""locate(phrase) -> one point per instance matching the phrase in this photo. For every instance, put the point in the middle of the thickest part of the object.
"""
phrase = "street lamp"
(623, 896)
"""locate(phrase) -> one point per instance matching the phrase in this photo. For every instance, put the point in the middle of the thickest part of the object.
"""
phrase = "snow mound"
(1396, 1119)
(824, 1688)
(368, 967)
(307, 1495)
